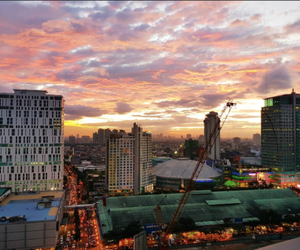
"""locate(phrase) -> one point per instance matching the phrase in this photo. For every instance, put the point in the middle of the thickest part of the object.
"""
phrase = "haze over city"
(161, 64)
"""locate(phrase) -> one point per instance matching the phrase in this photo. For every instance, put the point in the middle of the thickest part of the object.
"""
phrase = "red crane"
(209, 143)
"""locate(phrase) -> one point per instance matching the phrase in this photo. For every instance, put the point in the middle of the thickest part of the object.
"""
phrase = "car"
(86, 244)
(68, 239)
(61, 237)
(68, 234)
(61, 242)
(73, 231)
(73, 246)
(85, 235)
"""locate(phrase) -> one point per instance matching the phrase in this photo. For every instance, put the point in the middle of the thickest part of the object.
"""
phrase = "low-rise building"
(31, 220)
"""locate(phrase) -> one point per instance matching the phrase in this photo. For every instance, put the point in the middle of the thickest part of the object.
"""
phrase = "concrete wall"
(28, 235)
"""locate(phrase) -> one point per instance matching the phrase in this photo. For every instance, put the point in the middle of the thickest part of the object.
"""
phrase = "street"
(89, 235)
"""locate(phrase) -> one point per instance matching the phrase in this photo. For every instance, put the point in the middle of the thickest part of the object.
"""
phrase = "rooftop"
(25, 204)
(182, 168)
(203, 206)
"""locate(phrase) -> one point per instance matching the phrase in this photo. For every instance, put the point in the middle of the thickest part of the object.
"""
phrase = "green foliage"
(269, 216)
(132, 229)
(289, 218)
(228, 221)
(116, 234)
(184, 224)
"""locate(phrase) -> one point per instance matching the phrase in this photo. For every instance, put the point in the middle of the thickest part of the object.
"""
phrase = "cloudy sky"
(161, 64)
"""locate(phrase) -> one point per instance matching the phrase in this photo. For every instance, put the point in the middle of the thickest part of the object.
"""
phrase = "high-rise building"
(191, 149)
(201, 140)
(95, 137)
(72, 139)
(256, 139)
(31, 140)
(209, 124)
(237, 140)
(280, 137)
(188, 136)
(85, 139)
(129, 162)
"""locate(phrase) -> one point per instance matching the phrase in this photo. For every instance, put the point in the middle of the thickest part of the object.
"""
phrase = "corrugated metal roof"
(223, 202)
(124, 210)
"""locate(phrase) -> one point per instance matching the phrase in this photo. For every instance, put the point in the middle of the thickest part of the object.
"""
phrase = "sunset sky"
(161, 64)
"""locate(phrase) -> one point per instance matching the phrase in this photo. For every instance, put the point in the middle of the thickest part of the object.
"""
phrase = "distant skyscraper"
(95, 137)
(101, 136)
(188, 136)
(256, 139)
(280, 137)
(201, 140)
(209, 124)
(237, 140)
(85, 139)
(31, 140)
(129, 162)
(191, 149)
(72, 139)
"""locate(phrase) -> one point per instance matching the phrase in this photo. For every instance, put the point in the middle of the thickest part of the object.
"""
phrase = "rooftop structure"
(204, 207)
(175, 174)
(30, 220)
(183, 168)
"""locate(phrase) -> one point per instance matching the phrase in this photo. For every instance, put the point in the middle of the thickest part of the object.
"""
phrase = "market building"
(205, 207)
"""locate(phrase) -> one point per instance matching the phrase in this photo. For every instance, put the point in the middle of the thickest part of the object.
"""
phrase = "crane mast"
(209, 143)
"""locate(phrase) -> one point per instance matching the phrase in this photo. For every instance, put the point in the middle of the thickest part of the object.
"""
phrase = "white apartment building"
(209, 124)
(129, 162)
(31, 140)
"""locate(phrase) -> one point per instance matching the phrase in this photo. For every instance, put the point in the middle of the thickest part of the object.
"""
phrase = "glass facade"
(280, 140)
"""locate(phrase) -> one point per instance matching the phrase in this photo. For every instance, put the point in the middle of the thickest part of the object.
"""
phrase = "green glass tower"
(280, 137)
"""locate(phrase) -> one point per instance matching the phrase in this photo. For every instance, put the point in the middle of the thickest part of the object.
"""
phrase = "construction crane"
(209, 144)
(158, 214)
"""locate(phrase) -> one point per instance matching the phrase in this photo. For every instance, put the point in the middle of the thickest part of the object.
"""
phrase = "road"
(89, 228)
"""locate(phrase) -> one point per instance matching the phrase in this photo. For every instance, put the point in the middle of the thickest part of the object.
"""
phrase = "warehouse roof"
(226, 204)
(183, 169)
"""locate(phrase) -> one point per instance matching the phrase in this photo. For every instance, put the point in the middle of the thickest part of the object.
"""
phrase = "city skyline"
(163, 65)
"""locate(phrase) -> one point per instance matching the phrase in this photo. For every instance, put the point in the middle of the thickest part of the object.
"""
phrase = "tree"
(267, 216)
(116, 234)
(228, 221)
(184, 224)
(77, 221)
(132, 229)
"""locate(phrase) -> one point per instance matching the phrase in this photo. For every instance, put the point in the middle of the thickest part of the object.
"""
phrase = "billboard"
(151, 228)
